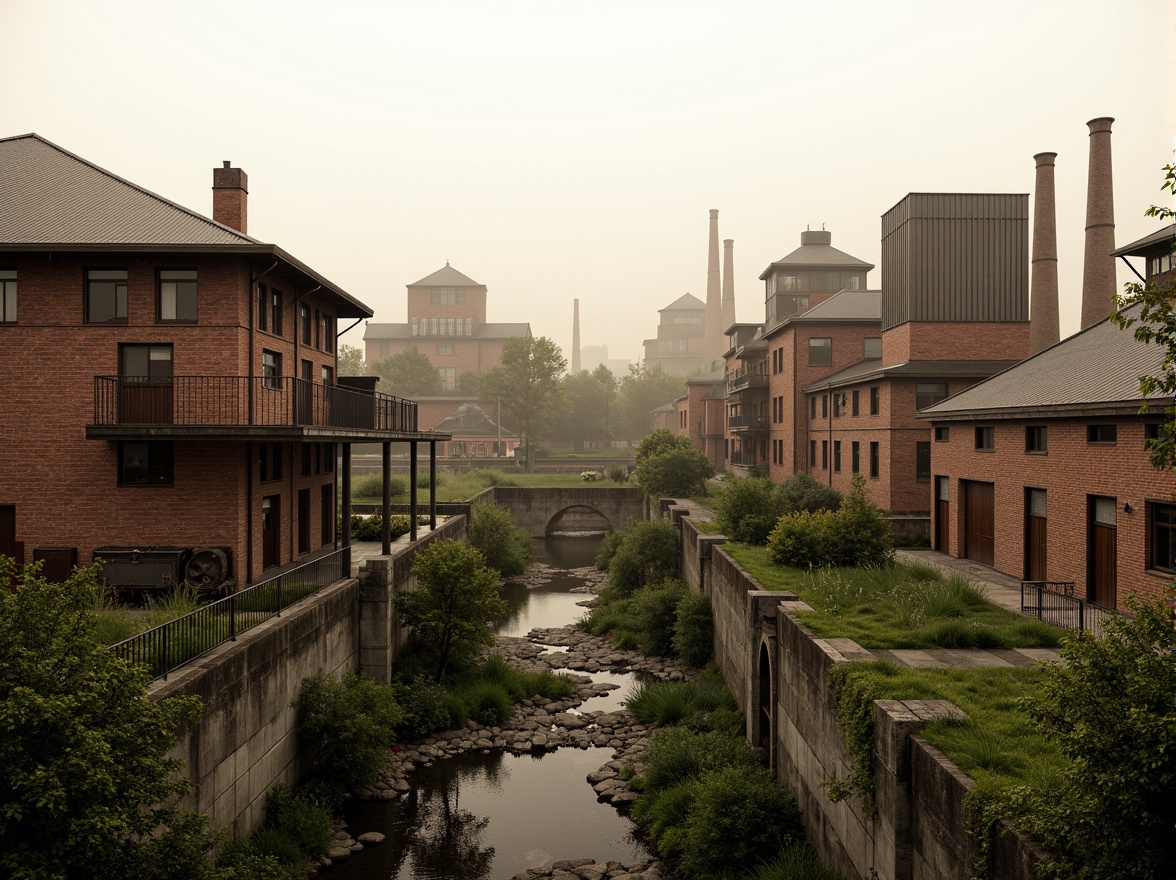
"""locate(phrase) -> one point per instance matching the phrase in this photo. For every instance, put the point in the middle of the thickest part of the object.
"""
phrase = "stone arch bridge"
(542, 511)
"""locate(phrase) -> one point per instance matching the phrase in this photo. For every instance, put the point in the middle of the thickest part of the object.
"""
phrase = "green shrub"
(862, 533)
(801, 492)
(608, 548)
(273, 844)
(694, 630)
(507, 548)
(648, 552)
(661, 703)
(242, 859)
(747, 509)
(493, 478)
(302, 819)
(677, 473)
(371, 528)
(802, 539)
(655, 609)
(372, 486)
(797, 862)
(739, 816)
(617, 473)
(424, 707)
(625, 640)
(486, 702)
(703, 705)
(678, 755)
(345, 726)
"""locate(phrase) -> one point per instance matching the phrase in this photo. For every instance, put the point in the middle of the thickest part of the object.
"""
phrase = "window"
(923, 461)
(328, 375)
(942, 435)
(271, 369)
(304, 322)
(927, 393)
(106, 296)
(448, 378)
(150, 364)
(820, 351)
(306, 459)
(1101, 433)
(824, 406)
(1163, 536)
(855, 456)
(446, 296)
(1036, 437)
(824, 455)
(986, 439)
(872, 348)
(855, 406)
(875, 461)
(444, 348)
(177, 295)
(7, 296)
(812, 453)
(837, 404)
(328, 457)
(875, 400)
(812, 407)
(262, 307)
(836, 456)
(269, 461)
(146, 464)
(328, 331)
(275, 311)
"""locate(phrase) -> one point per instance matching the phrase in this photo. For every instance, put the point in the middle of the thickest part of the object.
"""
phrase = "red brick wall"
(1071, 470)
(420, 305)
(470, 354)
(961, 341)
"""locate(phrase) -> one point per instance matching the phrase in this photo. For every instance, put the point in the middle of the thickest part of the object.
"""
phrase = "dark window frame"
(271, 373)
(1161, 528)
(836, 456)
(304, 323)
(856, 403)
(867, 344)
(815, 349)
(1096, 434)
(1037, 439)
(943, 434)
(985, 438)
(8, 295)
(875, 400)
(922, 461)
(929, 393)
(275, 311)
(855, 456)
(90, 282)
(194, 281)
(875, 459)
(262, 307)
(159, 457)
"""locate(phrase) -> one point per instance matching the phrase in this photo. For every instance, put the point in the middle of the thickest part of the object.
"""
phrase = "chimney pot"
(230, 196)
(228, 164)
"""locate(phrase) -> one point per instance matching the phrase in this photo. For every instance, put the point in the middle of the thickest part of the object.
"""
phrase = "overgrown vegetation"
(506, 547)
(668, 465)
(748, 509)
(646, 552)
(703, 704)
(856, 534)
(371, 528)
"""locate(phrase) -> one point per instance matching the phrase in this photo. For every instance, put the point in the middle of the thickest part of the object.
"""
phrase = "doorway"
(1035, 543)
(145, 395)
(942, 494)
(1102, 544)
(271, 529)
(979, 522)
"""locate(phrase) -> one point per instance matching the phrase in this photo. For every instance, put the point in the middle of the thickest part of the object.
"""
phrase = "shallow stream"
(492, 814)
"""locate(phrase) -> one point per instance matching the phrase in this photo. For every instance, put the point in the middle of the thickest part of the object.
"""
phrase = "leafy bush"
(658, 442)
(608, 548)
(678, 755)
(371, 528)
(676, 473)
(803, 539)
(493, 478)
(507, 548)
(856, 535)
(243, 859)
(802, 492)
(345, 726)
(648, 552)
(300, 818)
(702, 705)
(424, 706)
(797, 862)
(372, 486)
(592, 476)
(617, 473)
(486, 702)
(694, 630)
(747, 509)
(655, 608)
(738, 816)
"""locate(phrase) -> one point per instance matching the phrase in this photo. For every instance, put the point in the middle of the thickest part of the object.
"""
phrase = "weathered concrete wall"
(245, 743)
(534, 509)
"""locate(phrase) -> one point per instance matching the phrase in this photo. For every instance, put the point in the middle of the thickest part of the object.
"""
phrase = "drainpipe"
(254, 280)
(829, 460)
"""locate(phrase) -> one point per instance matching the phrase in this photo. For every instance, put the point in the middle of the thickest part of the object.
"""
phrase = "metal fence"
(180, 641)
(1055, 602)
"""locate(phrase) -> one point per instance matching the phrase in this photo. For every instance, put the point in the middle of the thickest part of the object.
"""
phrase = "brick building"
(702, 415)
(171, 380)
(1041, 471)
(446, 323)
(678, 346)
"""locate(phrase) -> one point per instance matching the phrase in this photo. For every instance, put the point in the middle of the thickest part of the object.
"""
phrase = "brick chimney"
(230, 194)
(1098, 266)
(713, 338)
(728, 283)
(1043, 284)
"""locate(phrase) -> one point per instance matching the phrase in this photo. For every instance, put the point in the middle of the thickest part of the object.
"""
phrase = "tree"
(455, 603)
(648, 552)
(641, 392)
(590, 400)
(668, 465)
(408, 374)
(350, 362)
(506, 547)
(1156, 322)
(527, 381)
(86, 785)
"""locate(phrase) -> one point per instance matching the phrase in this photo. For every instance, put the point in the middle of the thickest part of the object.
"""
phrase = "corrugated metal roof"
(1168, 233)
(866, 370)
(1101, 365)
(686, 302)
(848, 305)
(50, 196)
(446, 276)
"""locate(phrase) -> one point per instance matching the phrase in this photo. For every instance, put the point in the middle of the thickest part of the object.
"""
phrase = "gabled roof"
(816, 255)
(470, 420)
(1095, 370)
(446, 276)
(686, 302)
(848, 305)
(1136, 248)
(53, 200)
(868, 370)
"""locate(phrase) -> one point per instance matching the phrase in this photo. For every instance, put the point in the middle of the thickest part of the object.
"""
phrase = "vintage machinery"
(149, 569)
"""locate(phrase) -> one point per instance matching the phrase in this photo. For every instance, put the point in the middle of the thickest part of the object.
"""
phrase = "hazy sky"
(552, 151)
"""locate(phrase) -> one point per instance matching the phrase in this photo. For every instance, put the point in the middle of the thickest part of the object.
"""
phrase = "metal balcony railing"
(243, 401)
(745, 459)
(747, 423)
(1055, 602)
(745, 380)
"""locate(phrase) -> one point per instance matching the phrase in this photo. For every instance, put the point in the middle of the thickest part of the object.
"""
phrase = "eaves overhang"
(1099, 409)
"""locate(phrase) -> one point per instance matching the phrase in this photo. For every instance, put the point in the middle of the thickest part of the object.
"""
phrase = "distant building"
(475, 435)
(678, 347)
(446, 323)
(702, 417)
(593, 356)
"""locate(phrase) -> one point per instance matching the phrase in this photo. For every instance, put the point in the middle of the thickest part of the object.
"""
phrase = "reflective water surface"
(491, 815)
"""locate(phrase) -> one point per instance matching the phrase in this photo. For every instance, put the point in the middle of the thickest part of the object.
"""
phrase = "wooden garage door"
(979, 519)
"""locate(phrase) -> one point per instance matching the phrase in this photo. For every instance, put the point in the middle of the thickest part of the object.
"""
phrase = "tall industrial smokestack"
(1043, 284)
(575, 337)
(713, 347)
(728, 283)
(1098, 267)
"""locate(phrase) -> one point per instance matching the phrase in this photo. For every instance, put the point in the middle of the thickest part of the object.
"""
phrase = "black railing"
(745, 459)
(180, 641)
(747, 423)
(241, 401)
(747, 379)
(1055, 602)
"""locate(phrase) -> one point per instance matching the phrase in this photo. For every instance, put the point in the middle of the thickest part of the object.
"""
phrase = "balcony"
(241, 407)
(706, 432)
(747, 423)
(742, 458)
(746, 380)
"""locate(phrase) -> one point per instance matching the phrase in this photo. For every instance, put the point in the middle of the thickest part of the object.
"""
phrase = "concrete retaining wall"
(534, 509)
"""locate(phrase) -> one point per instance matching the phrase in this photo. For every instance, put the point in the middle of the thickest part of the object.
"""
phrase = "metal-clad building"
(956, 257)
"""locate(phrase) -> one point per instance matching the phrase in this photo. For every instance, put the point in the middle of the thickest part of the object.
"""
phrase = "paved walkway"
(361, 550)
(1005, 591)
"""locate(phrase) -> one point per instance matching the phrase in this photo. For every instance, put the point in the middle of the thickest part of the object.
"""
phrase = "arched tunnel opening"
(579, 519)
